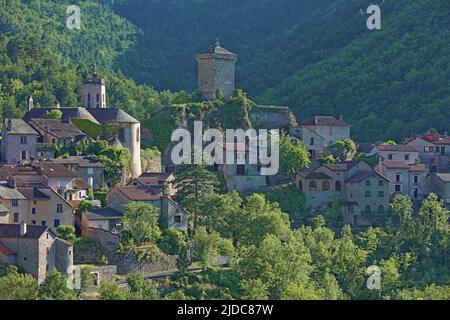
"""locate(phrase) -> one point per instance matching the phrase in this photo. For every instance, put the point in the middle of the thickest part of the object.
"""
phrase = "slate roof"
(218, 49)
(361, 176)
(317, 176)
(10, 194)
(397, 164)
(112, 115)
(326, 121)
(59, 129)
(13, 231)
(18, 126)
(103, 214)
(55, 170)
(67, 114)
(397, 147)
(139, 193)
(153, 178)
(81, 161)
(443, 176)
(342, 166)
(33, 193)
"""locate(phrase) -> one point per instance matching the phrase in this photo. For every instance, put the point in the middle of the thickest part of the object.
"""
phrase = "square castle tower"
(216, 71)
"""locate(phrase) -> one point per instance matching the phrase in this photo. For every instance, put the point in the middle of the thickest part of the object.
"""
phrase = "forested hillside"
(41, 57)
(317, 57)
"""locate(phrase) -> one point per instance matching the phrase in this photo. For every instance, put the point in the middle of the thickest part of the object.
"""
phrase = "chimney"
(56, 104)
(30, 103)
(341, 117)
(11, 182)
(23, 228)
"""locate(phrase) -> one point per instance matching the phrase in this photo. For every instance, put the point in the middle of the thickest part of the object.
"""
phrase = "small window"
(43, 222)
(59, 208)
(416, 179)
(177, 219)
(390, 156)
(438, 149)
(367, 183)
(33, 222)
(367, 194)
(138, 134)
(15, 202)
(312, 186)
(381, 194)
(397, 178)
(406, 157)
(380, 183)
(311, 141)
(90, 171)
(367, 209)
(398, 188)
(338, 186)
(56, 223)
(325, 186)
(33, 210)
(16, 217)
(23, 140)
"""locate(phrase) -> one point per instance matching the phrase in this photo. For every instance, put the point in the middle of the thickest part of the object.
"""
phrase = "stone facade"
(37, 249)
(216, 71)
(19, 141)
(364, 193)
(434, 151)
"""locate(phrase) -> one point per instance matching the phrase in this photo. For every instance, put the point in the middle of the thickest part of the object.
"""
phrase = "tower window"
(98, 97)
(138, 134)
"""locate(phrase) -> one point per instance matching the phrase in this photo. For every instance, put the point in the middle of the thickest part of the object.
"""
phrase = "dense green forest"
(39, 56)
(317, 57)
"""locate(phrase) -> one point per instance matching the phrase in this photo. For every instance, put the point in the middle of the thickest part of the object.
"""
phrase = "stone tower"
(94, 91)
(216, 71)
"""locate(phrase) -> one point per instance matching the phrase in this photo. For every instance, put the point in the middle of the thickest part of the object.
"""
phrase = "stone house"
(35, 249)
(160, 181)
(87, 168)
(106, 219)
(364, 193)
(169, 212)
(434, 151)
(242, 176)
(15, 202)
(407, 179)
(330, 128)
(315, 143)
(440, 183)
(19, 141)
(406, 153)
(47, 208)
